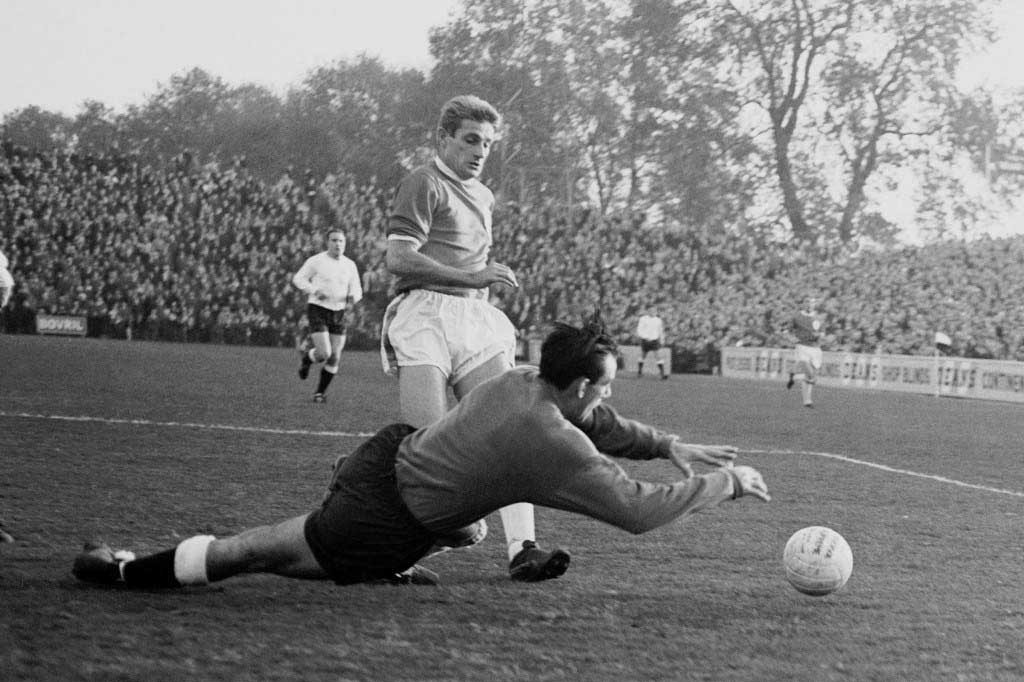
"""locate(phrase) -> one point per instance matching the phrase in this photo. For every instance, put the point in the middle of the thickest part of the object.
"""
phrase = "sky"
(58, 53)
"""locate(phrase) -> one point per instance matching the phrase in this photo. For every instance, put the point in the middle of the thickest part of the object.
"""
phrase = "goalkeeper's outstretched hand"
(750, 483)
(683, 455)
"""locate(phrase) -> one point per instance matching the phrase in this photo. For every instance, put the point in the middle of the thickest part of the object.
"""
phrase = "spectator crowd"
(204, 252)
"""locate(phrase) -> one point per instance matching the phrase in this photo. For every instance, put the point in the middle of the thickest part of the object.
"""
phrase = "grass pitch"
(144, 444)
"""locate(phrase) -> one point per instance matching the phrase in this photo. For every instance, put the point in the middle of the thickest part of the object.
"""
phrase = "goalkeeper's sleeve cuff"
(737, 487)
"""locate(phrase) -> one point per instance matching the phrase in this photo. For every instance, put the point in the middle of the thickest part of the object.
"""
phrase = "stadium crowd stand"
(203, 252)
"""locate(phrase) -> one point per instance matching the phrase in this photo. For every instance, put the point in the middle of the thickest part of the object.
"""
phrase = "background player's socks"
(325, 380)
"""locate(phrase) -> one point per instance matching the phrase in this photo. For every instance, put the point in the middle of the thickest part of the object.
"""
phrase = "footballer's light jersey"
(806, 328)
(650, 328)
(449, 218)
(337, 277)
(507, 442)
(6, 280)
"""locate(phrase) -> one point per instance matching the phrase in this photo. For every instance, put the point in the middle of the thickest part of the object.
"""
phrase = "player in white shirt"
(651, 331)
(6, 281)
(6, 289)
(331, 281)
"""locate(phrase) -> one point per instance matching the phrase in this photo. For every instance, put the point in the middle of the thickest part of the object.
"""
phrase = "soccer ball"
(818, 560)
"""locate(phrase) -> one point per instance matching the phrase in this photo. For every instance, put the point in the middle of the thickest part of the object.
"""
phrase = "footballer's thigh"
(322, 343)
(422, 394)
(337, 345)
(279, 548)
(488, 370)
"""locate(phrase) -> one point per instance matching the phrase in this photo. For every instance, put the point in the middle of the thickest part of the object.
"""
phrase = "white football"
(818, 560)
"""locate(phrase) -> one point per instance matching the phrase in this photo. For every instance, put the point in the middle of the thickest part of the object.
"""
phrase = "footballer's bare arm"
(405, 259)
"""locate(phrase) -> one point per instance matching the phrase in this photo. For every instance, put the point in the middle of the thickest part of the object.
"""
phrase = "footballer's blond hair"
(467, 108)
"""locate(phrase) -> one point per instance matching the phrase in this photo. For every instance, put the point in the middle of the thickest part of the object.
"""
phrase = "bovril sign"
(68, 325)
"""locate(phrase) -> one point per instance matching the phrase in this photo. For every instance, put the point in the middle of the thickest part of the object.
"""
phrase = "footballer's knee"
(467, 536)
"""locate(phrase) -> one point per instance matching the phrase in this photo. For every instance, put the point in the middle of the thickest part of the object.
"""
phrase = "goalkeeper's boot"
(99, 564)
(532, 564)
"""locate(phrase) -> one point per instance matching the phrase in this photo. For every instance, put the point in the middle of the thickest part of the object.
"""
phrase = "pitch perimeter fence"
(938, 375)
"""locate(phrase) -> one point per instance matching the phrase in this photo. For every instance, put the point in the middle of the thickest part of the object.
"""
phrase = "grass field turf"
(168, 441)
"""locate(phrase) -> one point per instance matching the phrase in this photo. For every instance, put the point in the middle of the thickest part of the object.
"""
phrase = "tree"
(605, 102)
(250, 126)
(360, 117)
(183, 115)
(96, 128)
(37, 129)
(851, 89)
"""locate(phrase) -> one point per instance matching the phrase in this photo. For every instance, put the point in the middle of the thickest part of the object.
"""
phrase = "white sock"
(190, 560)
(517, 519)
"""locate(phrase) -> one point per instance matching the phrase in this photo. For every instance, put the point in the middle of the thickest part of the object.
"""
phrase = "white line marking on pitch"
(356, 434)
(190, 425)
(894, 470)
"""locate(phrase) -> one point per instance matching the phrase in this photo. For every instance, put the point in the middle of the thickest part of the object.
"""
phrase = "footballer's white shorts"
(808, 361)
(456, 334)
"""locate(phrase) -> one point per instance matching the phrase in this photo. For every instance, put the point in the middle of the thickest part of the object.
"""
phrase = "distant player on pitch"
(806, 326)
(6, 290)
(330, 280)
(651, 331)
(6, 282)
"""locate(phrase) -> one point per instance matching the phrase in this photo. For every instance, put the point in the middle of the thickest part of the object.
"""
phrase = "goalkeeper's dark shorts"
(363, 531)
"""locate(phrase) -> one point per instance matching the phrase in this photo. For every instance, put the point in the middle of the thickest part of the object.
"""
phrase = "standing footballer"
(6, 282)
(651, 331)
(441, 330)
(806, 326)
(6, 290)
(330, 280)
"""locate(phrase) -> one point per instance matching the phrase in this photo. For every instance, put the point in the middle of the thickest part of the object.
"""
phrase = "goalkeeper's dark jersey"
(507, 442)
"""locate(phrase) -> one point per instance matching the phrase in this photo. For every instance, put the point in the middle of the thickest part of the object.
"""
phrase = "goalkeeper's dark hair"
(569, 352)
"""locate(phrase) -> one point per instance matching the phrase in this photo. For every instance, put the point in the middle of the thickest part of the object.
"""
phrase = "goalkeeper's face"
(590, 394)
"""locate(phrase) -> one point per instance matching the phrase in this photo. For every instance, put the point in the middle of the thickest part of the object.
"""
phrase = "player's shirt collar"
(443, 167)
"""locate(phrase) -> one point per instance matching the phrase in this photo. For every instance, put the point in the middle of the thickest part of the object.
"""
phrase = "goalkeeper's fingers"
(680, 463)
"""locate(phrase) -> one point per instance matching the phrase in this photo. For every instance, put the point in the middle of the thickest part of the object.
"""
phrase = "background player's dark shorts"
(363, 531)
(648, 346)
(324, 319)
